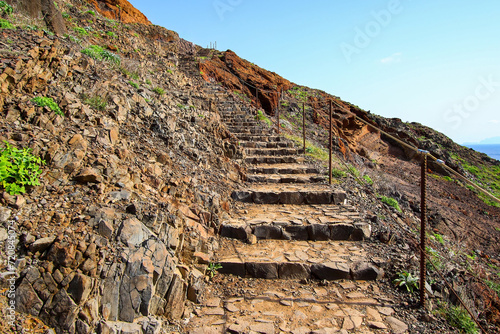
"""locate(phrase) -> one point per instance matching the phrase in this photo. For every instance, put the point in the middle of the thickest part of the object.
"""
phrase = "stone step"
(273, 159)
(279, 259)
(233, 124)
(295, 222)
(295, 230)
(283, 169)
(281, 151)
(240, 305)
(285, 178)
(290, 194)
(263, 144)
(259, 138)
(250, 131)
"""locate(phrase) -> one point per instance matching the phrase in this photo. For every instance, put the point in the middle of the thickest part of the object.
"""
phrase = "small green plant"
(391, 202)
(111, 34)
(99, 53)
(48, 102)
(354, 171)
(494, 286)
(459, 318)
(438, 237)
(18, 169)
(212, 269)
(65, 15)
(408, 281)
(261, 117)
(96, 102)
(4, 24)
(91, 12)
(497, 228)
(368, 179)
(337, 173)
(148, 82)
(158, 90)
(169, 71)
(5, 8)
(133, 84)
(80, 31)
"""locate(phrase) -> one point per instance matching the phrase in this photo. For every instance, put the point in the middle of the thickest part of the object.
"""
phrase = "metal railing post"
(278, 116)
(423, 218)
(304, 125)
(330, 148)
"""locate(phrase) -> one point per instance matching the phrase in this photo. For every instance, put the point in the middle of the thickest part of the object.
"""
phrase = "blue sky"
(433, 62)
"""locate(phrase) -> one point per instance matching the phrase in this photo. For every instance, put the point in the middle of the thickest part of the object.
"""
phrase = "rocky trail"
(292, 253)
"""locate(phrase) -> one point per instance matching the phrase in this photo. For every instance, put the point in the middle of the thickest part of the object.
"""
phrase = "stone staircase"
(288, 223)
(293, 252)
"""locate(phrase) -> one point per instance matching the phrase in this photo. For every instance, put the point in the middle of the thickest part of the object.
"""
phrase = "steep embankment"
(137, 173)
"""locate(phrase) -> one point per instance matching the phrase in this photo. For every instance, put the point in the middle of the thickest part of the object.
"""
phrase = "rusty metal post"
(278, 115)
(330, 147)
(423, 218)
(304, 125)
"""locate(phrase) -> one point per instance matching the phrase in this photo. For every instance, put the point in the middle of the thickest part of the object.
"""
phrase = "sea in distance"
(492, 150)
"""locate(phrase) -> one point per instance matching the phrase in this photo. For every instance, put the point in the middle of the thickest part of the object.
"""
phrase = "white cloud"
(494, 121)
(394, 58)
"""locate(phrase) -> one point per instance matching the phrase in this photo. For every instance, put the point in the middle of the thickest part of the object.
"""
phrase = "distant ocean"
(493, 150)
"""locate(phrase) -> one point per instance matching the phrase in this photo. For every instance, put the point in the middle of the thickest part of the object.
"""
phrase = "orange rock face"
(120, 10)
(240, 75)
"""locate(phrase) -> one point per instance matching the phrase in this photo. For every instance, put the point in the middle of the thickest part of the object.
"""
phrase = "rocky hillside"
(139, 169)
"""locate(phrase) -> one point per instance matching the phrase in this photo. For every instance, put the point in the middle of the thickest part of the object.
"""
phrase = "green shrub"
(494, 286)
(407, 280)
(4, 24)
(459, 318)
(65, 15)
(337, 173)
(5, 8)
(99, 53)
(391, 202)
(47, 102)
(368, 179)
(80, 31)
(354, 171)
(134, 84)
(158, 90)
(96, 102)
(18, 169)
(261, 117)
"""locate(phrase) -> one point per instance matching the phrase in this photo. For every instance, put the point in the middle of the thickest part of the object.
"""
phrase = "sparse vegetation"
(459, 318)
(96, 102)
(261, 117)
(391, 202)
(338, 174)
(158, 90)
(99, 53)
(48, 102)
(368, 179)
(80, 31)
(133, 84)
(212, 269)
(18, 169)
(5, 9)
(4, 24)
(407, 281)
(111, 34)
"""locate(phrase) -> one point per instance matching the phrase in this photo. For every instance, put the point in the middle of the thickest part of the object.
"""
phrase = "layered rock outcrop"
(120, 10)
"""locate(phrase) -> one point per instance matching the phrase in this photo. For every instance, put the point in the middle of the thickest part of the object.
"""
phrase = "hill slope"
(139, 171)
